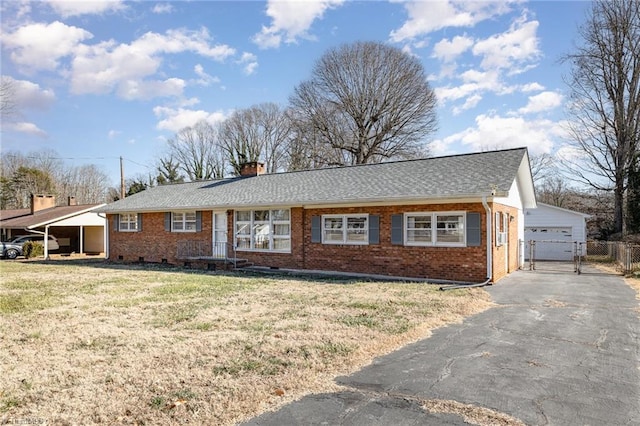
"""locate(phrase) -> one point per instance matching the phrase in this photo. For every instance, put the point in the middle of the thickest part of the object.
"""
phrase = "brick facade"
(154, 244)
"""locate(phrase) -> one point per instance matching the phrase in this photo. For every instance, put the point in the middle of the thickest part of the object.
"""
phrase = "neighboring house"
(77, 228)
(453, 218)
(555, 231)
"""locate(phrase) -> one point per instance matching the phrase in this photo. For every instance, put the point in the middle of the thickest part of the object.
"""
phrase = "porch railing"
(206, 250)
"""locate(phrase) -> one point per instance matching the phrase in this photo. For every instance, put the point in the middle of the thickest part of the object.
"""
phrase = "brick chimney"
(72, 201)
(41, 202)
(252, 168)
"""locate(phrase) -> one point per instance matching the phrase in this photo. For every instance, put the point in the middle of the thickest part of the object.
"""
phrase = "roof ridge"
(347, 166)
(408, 160)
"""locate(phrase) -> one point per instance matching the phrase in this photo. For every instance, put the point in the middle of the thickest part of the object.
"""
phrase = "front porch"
(210, 256)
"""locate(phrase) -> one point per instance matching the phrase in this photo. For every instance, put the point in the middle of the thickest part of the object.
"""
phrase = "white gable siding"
(513, 199)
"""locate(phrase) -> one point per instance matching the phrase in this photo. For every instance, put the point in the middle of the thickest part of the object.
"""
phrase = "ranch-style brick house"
(456, 218)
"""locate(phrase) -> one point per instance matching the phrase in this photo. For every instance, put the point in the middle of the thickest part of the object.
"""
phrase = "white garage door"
(552, 243)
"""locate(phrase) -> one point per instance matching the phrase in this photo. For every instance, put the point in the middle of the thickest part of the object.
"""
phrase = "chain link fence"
(625, 255)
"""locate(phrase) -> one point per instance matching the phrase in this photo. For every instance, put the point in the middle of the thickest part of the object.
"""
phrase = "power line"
(78, 158)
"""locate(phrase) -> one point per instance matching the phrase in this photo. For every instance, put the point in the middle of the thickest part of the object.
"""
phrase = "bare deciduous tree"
(605, 95)
(8, 107)
(554, 191)
(369, 100)
(87, 183)
(257, 133)
(542, 167)
(44, 172)
(197, 151)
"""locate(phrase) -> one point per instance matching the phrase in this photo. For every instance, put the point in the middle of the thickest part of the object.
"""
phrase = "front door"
(219, 249)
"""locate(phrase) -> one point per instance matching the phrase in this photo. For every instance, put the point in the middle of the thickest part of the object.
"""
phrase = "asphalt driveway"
(558, 349)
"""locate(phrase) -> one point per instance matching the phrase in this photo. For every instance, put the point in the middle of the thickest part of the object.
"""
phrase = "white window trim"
(128, 222)
(344, 217)
(434, 229)
(184, 221)
(252, 224)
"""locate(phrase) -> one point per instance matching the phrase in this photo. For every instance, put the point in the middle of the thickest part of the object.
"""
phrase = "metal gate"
(576, 250)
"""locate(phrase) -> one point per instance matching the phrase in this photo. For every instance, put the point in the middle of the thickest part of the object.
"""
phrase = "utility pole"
(122, 193)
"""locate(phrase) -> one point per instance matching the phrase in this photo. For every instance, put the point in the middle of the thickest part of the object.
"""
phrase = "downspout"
(455, 286)
(489, 228)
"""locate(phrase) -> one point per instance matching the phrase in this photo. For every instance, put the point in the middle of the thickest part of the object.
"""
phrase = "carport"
(77, 228)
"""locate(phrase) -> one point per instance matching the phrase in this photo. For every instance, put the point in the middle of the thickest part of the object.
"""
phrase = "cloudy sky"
(96, 80)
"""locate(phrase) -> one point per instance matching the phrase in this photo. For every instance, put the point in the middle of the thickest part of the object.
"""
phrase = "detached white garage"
(554, 230)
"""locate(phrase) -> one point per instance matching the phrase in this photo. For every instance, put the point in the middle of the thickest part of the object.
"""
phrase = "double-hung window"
(438, 228)
(263, 230)
(345, 229)
(128, 222)
(183, 221)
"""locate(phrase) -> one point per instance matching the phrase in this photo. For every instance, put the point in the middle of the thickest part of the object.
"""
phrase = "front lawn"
(90, 342)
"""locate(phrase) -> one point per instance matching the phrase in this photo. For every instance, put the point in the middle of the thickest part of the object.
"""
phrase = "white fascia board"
(586, 216)
(58, 219)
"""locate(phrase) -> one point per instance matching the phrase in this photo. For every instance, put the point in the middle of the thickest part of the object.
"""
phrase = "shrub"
(32, 249)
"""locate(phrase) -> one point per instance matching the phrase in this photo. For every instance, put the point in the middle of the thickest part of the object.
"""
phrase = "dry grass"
(93, 343)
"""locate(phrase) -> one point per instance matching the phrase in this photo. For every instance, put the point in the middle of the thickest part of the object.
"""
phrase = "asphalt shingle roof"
(455, 176)
(43, 216)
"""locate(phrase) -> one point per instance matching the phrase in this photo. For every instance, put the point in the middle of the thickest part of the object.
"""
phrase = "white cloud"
(291, 20)
(503, 54)
(469, 103)
(149, 89)
(161, 8)
(28, 95)
(428, 16)
(532, 87)
(447, 50)
(41, 46)
(494, 131)
(514, 48)
(250, 62)
(205, 79)
(173, 120)
(114, 133)
(474, 83)
(101, 68)
(24, 127)
(68, 8)
(544, 101)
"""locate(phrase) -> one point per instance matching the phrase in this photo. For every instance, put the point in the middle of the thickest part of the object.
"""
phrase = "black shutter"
(374, 229)
(397, 229)
(316, 229)
(116, 222)
(473, 230)
(139, 222)
(198, 221)
(167, 221)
